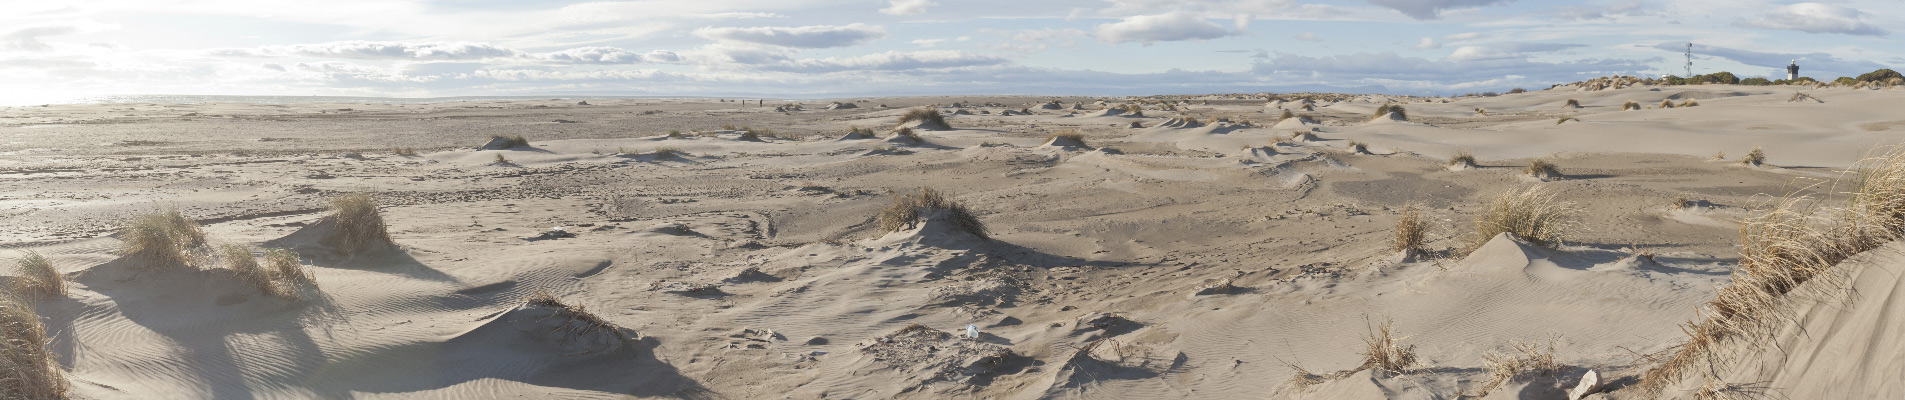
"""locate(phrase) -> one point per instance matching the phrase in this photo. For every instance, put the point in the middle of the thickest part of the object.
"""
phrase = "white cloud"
(907, 7)
(1506, 51)
(927, 42)
(610, 55)
(360, 49)
(1308, 37)
(1462, 36)
(1631, 8)
(1033, 40)
(890, 61)
(1817, 18)
(807, 37)
(1427, 44)
(28, 39)
(1431, 9)
(1168, 27)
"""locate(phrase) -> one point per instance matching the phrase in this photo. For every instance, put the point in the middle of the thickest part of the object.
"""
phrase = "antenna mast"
(1689, 59)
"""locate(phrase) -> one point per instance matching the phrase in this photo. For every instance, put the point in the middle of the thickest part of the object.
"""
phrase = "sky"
(53, 50)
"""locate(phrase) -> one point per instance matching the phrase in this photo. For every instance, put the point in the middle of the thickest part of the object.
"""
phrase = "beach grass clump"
(663, 152)
(1754, 157)
(1541, 169)
(404, 151)
(1572, 103)
(500, 160)
(1411, 230)
(1689, 103)
(1565, 118)
(359, 226)
(38, 279)
(287, 267)
(675, 134)
(928, 117)
(908, 209)
(1287, 114)
(28, 369)
(1383, 351)
(239, 260)
(578, 321)
(1358, 147)
(1533, 215)
(1526, 359)
(1463, 159)
(909, 135)
(1075, 138)
(1665, 104)
(1391, 108)
(1630, 105)
(511, 142)
(161, 240)
(750, 135)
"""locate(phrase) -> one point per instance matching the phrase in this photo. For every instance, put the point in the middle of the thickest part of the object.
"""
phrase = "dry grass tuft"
(1565, 119)
(286, 266)
(500, 160)
(581, 321)
(663, 152)
(27, 369)
(1074, 136)
(1384, 351)
(239, 260)
(38, 279)
(1358, 147)
(1690, 103)
(908, 209)
(404, 151)
(930, 117)
(750, 135)
(909, 135)
(1462, 158)
(1541, 169)
(1527, 359)
(1411, 229)
(1792, 242)
(360, 227)
(1287, 114)
(1572, 103)
(1754, 157)
(1630, 105)
(161, 240)
(511, 142)
(1533, 215)
(1391, 109)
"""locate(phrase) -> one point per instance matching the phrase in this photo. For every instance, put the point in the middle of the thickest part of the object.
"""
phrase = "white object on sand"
(972, 332)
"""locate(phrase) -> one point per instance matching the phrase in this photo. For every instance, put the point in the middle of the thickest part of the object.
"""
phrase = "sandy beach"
(1136, 247)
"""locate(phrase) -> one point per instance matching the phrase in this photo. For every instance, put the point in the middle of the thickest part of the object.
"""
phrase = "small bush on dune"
(500, 159)
(581, 320)
(286, 266)
(1411, 229)
(1391, 109)
(1541, 169)
(1565, 119)
(239, 260)
(909, 134)
(1665, 104)
(1526, 359)
(27, 369)
(1462, 158)
(1572, 103)
(1754, 157)
(1358, 147)
(927, 116)
(1689, 103)
(908, 209)
(38, 279)
(1383, 351)
(1532, 215)
(360, 227)
(750, 136)
(661, 152)
(1287, 114)
(161, 240)
(1630, 105)
(1074, 136)
(511, 142)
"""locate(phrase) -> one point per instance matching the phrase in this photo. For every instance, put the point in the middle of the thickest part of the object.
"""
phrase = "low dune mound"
(1295, 123)
(354, 227)
(1804, 98)
(929, 214)
(565, 329)
(1052, 105)
(905, 137)
(1066, 140)
(500, 142)
(1077, 106)
(841, 106)
(924, 118)
(858, 134)
(929, 355)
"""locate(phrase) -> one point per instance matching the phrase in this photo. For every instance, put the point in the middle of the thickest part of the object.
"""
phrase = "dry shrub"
(1391, 109)
(1526, 360)
(1541, 169)
(662, 152)
(908, 134)
(1690, 103)
(1073, 135)
(1801, 97)
(1630, 105)
(360, 227)
(750, 135)
(161, 240)
(239, 260)
(1665, 104)
(1411, 229)
(511, 142)
(1565, 119)
(1533, 215)
(1383, 351)
(500, 159)
(38, 279)
(27, 369)
(908, 209)
(1358, 147)
(581, 321)
(1287, 114)
(1572, 103)
(404, 151)
(285, 265)
(1794, 241)
(1462, 158)
(1754, 157)
(929, 117)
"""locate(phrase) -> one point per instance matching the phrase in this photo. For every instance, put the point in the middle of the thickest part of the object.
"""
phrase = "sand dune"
(1207, 254)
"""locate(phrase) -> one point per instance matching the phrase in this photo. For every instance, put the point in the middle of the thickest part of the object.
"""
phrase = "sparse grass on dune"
(1630, 105)
(908, 134)
(1789, 243)
(404, 151)
(1572, 103)
(1462, 158)
(1665, 104)
(1358, 147)
(500, 159)
(664, 152)
(1689, 103)
(511, 142)
(1383, 351)
(360, 227)
(1287, 114)
(285, 265)
(161, 240)
(928, 116)
(1565, 119)
(1527, 359)
(27, 369)
(581, 320)
(750, 135)
(1541, 169)
(1411, 230)
(1532, 214)
(907, 210)
(38, 279)
(1754, 157)
(1392, 108)
(1074, 136)
(239, 260)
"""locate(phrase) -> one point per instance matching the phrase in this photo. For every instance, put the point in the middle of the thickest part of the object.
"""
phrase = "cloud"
(889, 61)
(610, 55)
(368, 50)
(1816, 18)
(273, 67)
(1506, 51)
(1431, 9)
(1308, 37)
(1427, 44)
(907, 7)
(806, 37)
(1167, 27)
(1631, 8)
(1033, 40)
(1462, 36)
(927, 42)
(28, 39)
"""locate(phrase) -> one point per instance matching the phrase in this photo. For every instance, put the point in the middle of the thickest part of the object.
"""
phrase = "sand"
(1189, 258)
